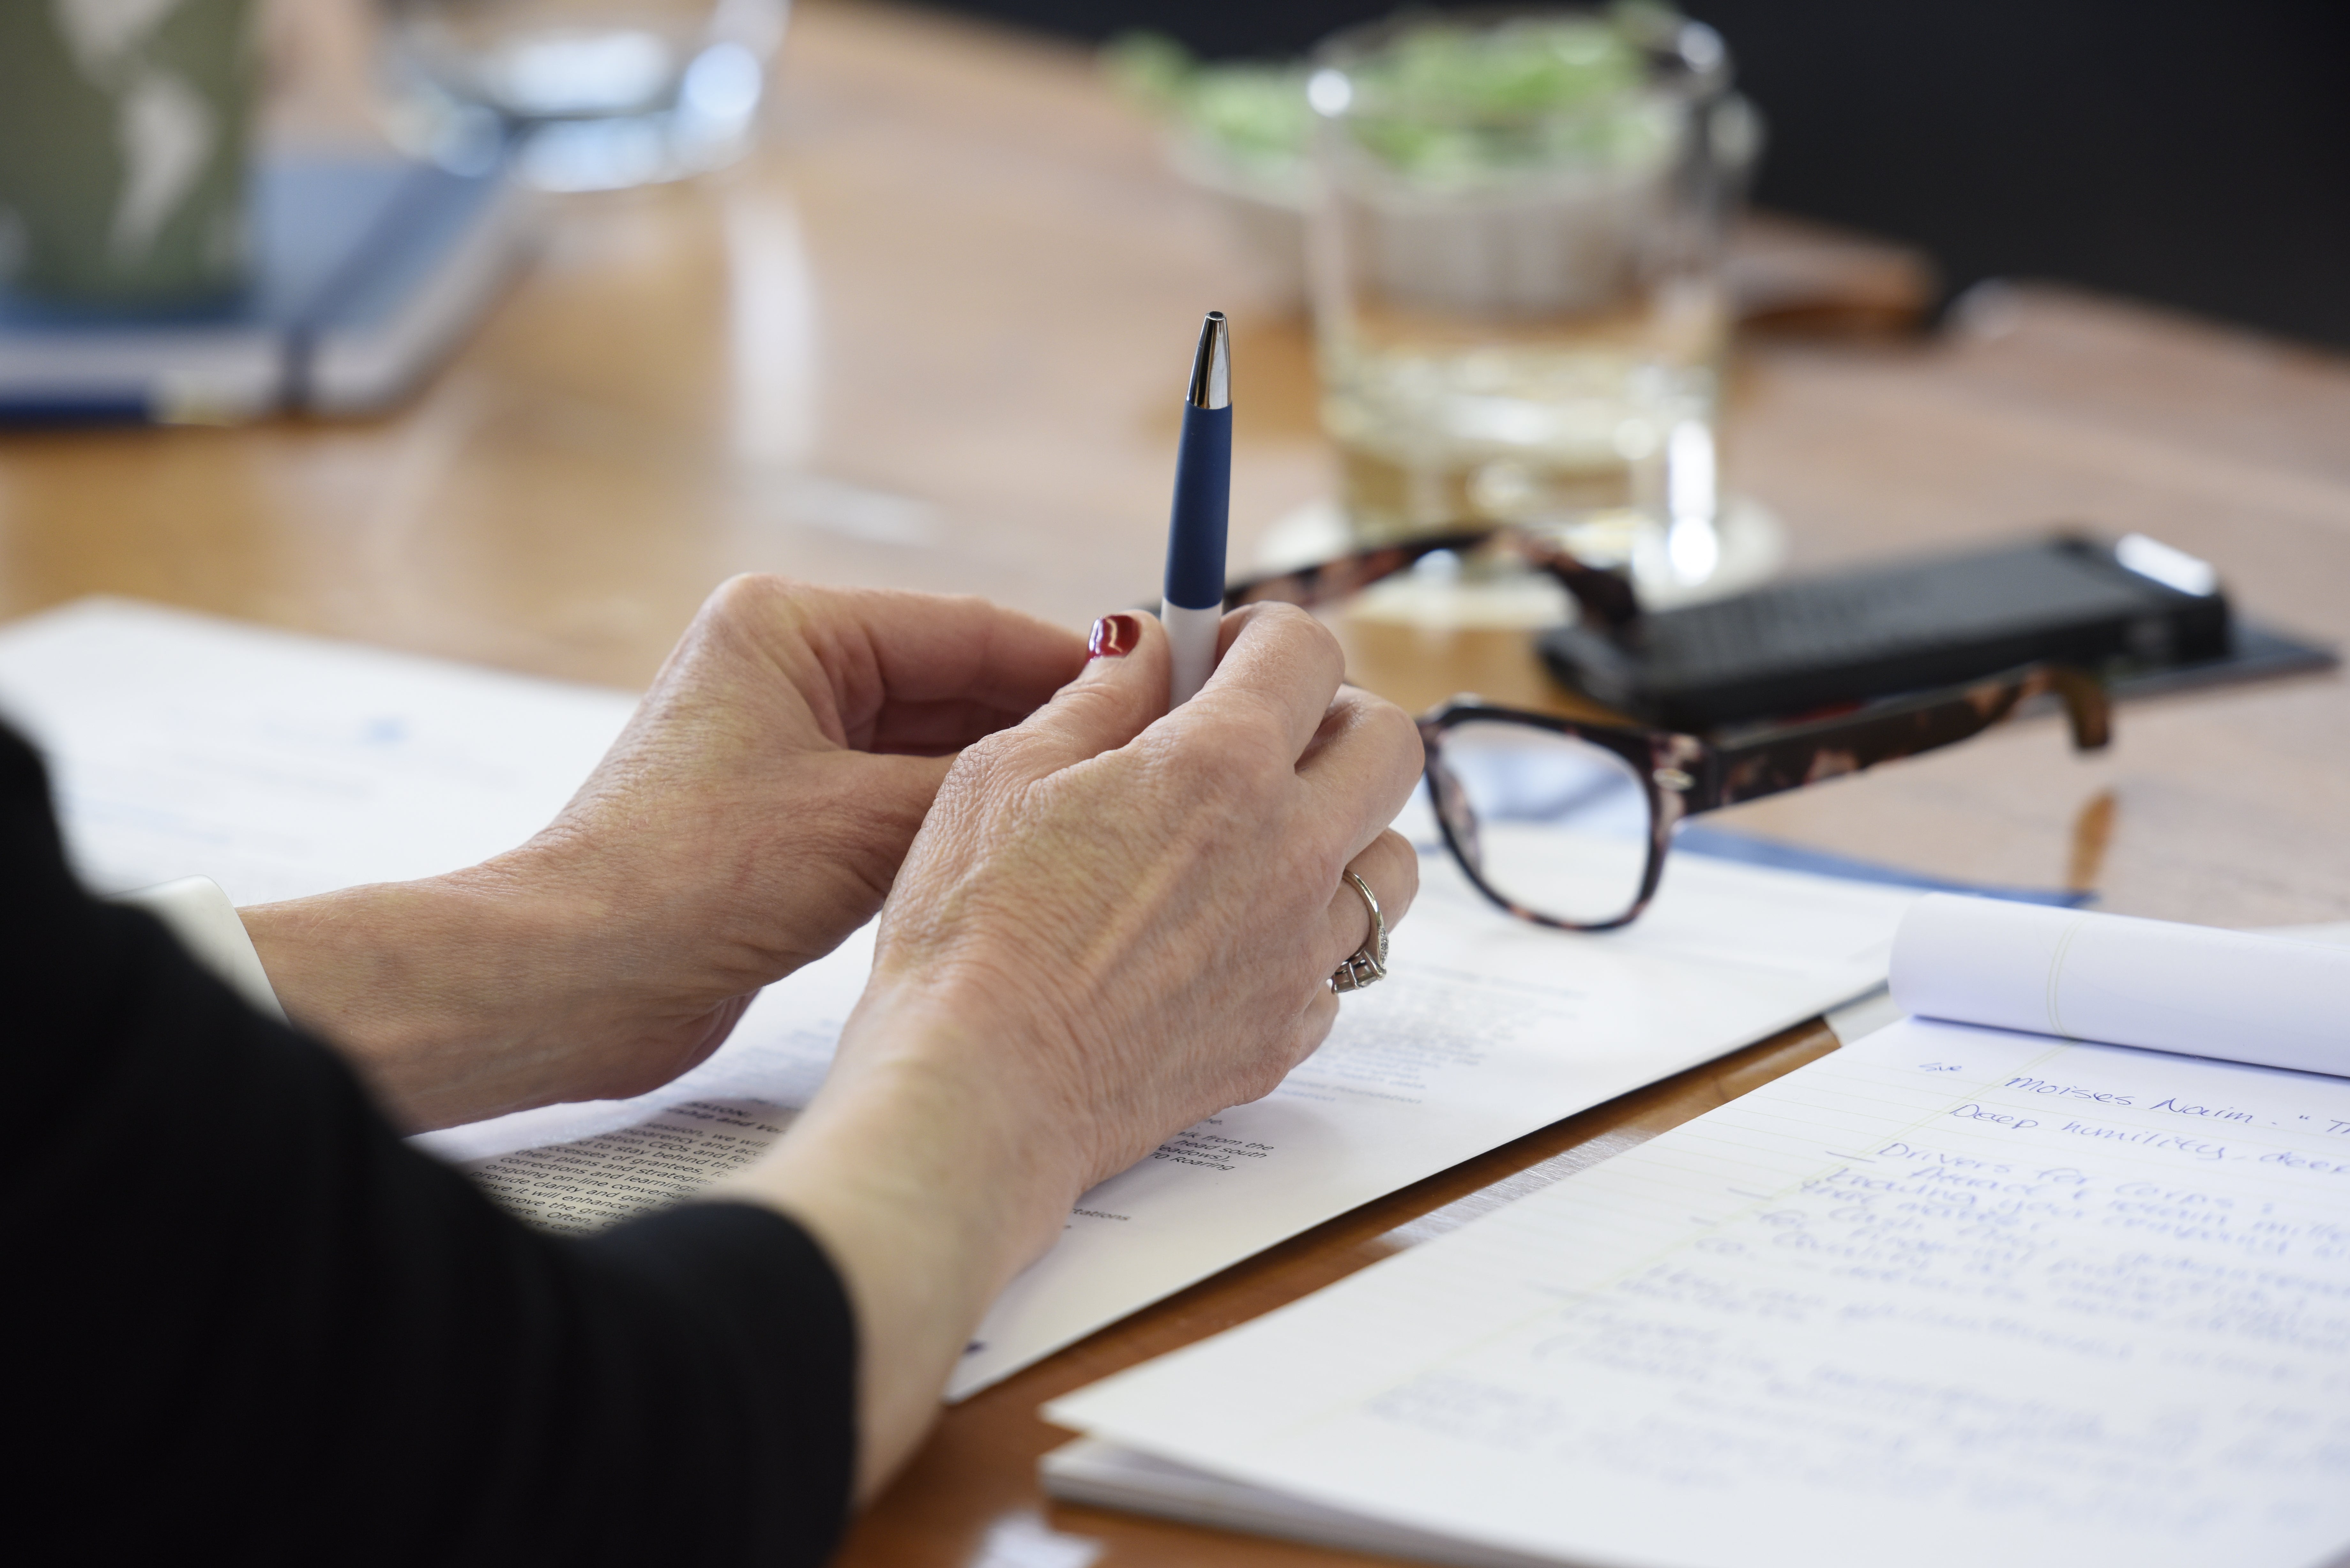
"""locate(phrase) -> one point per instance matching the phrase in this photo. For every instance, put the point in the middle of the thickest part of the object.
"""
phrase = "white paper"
(1951, 1295)
(2238, 995)
(282, 766)
(1488, 1029)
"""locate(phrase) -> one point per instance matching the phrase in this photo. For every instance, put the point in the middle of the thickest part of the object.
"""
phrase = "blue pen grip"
(1203, 493)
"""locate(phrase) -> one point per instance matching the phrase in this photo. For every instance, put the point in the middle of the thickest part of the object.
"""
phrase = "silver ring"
(1367, 965)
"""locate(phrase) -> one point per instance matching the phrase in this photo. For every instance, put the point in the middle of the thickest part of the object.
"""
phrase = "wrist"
(930, 1183)
(918, 1130)
(453, 995)
(918, 1059)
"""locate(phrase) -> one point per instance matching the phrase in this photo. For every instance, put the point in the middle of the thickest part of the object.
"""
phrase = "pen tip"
(1211, 366)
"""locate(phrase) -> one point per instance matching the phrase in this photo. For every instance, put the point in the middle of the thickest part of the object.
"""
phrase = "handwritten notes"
(1953, 1293)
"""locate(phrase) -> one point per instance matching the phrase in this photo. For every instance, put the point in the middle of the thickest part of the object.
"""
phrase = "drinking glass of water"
(582, 95)
(1516, 273)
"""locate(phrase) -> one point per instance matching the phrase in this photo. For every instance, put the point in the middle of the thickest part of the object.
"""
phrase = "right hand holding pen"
(1132, 915)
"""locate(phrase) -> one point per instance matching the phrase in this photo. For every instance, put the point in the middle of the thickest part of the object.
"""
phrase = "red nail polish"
(1114, 637)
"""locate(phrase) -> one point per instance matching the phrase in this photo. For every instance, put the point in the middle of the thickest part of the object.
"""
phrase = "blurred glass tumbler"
(1516, 272)
(122, 149)
(583, 95)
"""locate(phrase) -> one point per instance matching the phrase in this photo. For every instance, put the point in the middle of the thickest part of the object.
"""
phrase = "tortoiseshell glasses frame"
(1682, 774)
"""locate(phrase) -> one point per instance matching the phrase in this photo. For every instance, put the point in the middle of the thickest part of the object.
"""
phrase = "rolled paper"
(2234, 996)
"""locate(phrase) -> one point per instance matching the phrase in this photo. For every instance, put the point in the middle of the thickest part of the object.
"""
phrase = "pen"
(1193, 606)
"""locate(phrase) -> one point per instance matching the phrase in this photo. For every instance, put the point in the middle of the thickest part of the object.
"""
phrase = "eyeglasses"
(1568, 823)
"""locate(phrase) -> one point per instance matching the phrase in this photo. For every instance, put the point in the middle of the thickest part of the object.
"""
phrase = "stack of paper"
(1959, 1294)
(283, 765)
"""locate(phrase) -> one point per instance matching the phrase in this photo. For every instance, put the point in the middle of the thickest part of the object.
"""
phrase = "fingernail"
(1114, 637)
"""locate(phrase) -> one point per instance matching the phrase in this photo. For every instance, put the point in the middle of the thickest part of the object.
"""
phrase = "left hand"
(753, 814)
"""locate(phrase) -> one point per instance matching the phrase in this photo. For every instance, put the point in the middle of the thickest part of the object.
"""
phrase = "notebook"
(368, 271)
(2055, 1271)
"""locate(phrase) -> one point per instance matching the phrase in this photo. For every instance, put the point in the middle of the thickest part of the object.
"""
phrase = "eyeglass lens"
(1553, 824)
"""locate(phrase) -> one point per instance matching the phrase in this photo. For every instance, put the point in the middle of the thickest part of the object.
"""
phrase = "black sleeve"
(243, 1315)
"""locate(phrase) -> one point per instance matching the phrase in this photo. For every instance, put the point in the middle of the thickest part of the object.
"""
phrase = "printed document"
(1954, 1294)
(283, 765)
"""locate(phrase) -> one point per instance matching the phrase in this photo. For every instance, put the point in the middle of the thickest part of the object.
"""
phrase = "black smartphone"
(1813, 643)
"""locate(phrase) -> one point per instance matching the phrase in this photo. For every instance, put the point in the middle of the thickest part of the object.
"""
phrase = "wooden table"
(931, 334)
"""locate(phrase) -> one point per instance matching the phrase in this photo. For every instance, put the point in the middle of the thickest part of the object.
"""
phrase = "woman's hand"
(1150, 929)
(1116, 920)
(753, 814)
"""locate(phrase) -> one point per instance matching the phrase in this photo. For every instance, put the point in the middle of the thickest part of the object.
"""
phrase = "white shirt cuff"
(198, 911)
